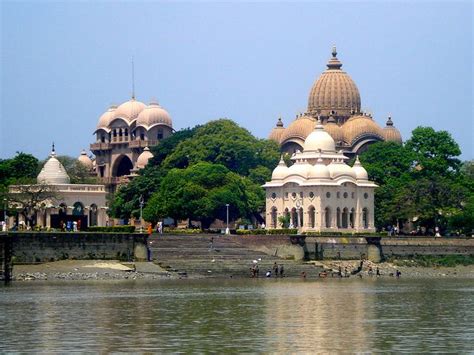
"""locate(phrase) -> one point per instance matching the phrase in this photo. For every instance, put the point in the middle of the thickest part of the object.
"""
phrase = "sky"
(64, 63)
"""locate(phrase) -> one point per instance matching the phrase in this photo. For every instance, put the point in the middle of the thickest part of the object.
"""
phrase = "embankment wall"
(34, 247)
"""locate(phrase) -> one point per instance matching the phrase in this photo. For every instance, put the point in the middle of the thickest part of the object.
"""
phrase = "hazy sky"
(64, 63)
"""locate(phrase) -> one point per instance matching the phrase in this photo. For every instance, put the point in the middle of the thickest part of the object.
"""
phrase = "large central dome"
(334, 91)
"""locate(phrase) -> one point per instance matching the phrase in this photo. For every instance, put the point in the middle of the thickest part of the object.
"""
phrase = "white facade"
(320, 192)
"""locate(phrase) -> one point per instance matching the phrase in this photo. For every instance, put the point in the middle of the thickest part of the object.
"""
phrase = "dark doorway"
(123, 165)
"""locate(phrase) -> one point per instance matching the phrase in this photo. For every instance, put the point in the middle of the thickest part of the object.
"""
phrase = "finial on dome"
(83, 152)
(279, 122)
(319, 124)
(357, 161)
(334, 63)
(331, 119)
(389, 121)
(53, 150)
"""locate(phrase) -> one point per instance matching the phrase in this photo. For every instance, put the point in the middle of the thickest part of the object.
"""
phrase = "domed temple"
(320, 192)
(335, 100)
(124, 134)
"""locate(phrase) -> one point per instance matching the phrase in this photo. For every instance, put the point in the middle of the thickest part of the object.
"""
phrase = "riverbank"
(70, 270)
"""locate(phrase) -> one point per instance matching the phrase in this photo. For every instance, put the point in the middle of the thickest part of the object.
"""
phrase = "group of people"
(277, 270)
(70, 226)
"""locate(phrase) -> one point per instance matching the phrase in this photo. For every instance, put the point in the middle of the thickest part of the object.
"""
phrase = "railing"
(142, 143)
(82, 187)
(100, 146)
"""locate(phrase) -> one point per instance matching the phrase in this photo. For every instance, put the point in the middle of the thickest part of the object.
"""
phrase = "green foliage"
(201, 192)
(22, 166)
(112, 229)
(181, 231)
(284, 220)
(422, 179)
(78, 173)
(436, 261)
(283, 231)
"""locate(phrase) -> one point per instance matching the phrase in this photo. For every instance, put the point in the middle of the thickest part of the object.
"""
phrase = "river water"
(264, 315)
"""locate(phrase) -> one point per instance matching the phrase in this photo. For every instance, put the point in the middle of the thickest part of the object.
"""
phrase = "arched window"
(126, 132)
(115, 133)
(327, 217)
(312, 216)
(142, 136)
(365, 218)
(294, 218)
(300, 212)
(274, 217)
(78, 209)
(338, 217)
(102, 138)
(93, 215)
(120, 132)
(345, 218)
(159, 134)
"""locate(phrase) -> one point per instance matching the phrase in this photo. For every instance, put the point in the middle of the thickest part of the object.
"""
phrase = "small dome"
(154, 115)
(360, 125)
(299, 128)
(106, 117)
(277, 131)
(53, 172)
(319, 140)
(334, 130)
(391, 133)
(300, 168)
(319, 170)
(129, 110)
(334, 91)
(281, 171)
(85, 160)
(338, 168)
(143, 158)
(360, 172)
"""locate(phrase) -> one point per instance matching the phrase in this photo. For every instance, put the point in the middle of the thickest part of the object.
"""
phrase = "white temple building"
(320, 192)
(84, 204)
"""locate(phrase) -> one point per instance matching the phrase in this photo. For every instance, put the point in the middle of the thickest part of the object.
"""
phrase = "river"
(264, 315)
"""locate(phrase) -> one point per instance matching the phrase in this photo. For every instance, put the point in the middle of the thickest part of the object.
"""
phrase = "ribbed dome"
(143, 158)
(319, 139)
(390, 133)
(129, 110)
(338, 168)
(277, 132)
(85, 160)
(106, 117)
(281, 171)
(53, 172)
(154, 115)
(334, 130)
(360, 125)
(334, 91)
(299, 128)
(319, 171)
(300, 168)
(359, 170)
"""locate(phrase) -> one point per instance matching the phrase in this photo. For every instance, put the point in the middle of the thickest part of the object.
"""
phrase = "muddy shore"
(70, 270)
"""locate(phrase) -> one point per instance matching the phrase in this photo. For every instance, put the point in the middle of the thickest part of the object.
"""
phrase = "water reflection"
(238, 316)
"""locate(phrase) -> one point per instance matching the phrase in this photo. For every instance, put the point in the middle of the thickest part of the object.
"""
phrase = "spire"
(53, 151)
(133, 80)
(357, 161)
(389, 121)
(334, 63)
(319, 124)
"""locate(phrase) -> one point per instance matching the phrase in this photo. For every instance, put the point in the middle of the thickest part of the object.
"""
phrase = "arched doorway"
(327, 217)
(338, 217)
(122, 166)
(300, 214)
(274, 218)
(312, 216)
(352, 218)
(294, 218)
(93, 215)
(365, 218)
(345, 217)
(78, 209)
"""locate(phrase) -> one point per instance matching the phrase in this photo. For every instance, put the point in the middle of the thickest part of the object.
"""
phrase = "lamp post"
(141, 201)
(227, 231)
(5, 213)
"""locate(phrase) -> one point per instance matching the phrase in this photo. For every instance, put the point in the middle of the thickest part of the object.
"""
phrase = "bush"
(282, 231)
(181, 231)
(251, 231)
(114, 229)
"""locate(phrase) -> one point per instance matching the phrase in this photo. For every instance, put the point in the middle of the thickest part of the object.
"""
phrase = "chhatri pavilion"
(320, 192)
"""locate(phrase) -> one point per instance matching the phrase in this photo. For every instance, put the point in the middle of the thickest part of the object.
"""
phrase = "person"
(263, 225)
(275, 269)
(303, 274)
(377, 272)
(398, 274)
(437, 232)
(339, 273)
(74, 226)
(159, 227)
(371, 272)
(257, 270)
(149, 229)
(79, 225)
(282, 270)
(211, 243)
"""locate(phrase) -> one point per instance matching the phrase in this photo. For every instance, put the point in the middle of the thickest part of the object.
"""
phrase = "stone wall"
(33, 247)
(356, 247)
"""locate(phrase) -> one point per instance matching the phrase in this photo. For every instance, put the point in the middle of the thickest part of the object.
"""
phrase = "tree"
(28, 199)
(78, 172)
(201, 192)
(21, 166)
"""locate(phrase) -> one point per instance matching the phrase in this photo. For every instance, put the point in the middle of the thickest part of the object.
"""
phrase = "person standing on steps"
(275, 269)
(282, 270)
